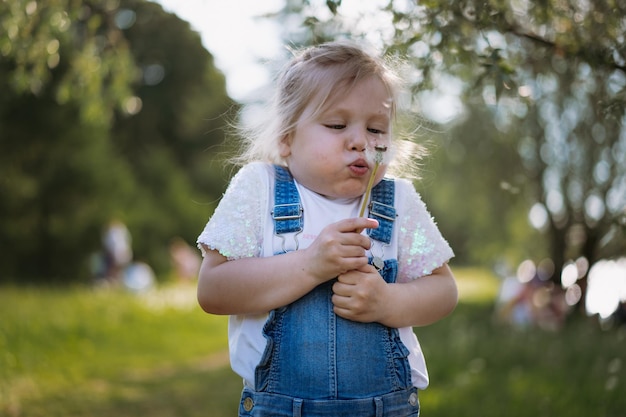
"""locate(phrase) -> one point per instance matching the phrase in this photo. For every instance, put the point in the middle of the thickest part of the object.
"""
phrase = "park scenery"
(87, 352)
(116, 145)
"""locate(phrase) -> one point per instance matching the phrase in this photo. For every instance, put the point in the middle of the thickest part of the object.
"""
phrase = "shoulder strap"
(287, 212)
(382, 209)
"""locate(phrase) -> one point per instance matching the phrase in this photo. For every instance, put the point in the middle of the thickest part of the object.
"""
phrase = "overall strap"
(382, 209)
(288, 211)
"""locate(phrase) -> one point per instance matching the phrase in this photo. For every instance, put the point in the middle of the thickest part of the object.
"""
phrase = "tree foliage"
(110, 108)
(68, 49)
(553, 75)
(536, 106)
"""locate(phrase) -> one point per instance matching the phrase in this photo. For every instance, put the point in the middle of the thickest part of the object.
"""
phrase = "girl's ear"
(284, 147)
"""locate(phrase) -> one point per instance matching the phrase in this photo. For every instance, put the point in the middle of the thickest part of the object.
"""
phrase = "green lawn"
(84, 352)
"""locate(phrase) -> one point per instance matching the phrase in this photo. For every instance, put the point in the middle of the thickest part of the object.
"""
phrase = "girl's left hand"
(359, 295)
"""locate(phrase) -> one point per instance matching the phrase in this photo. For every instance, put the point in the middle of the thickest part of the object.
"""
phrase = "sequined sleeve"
(235, 229)
(421, 247)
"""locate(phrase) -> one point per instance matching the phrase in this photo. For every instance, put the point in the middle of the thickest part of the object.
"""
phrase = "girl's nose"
(358, 141)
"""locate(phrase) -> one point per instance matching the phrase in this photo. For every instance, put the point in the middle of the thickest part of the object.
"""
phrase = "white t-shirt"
(242, 227)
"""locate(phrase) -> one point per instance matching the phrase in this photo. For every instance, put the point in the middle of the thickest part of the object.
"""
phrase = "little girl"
(321, 299)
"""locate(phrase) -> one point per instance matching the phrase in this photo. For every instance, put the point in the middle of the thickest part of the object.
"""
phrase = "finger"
(368, 269)
(354, 239)
(350, 278)
(356, 223)
(341, 302)
(340, 290)
(343, 312)
(356, 250)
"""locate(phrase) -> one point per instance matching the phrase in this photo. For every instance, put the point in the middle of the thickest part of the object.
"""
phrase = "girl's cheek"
(382, 170)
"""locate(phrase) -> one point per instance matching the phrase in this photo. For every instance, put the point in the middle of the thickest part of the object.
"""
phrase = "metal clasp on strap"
(283, 241)
(288, 219)
(287, 211)
(383, 211)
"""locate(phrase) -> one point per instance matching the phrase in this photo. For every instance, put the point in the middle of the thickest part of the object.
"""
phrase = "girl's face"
(326, 153)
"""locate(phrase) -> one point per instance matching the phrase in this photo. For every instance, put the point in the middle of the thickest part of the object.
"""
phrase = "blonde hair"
(315, 74)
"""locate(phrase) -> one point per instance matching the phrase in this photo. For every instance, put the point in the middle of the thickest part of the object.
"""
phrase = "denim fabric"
(397, 404)
(381, 208)
(319, 364)
(314, 354)
(287, 213)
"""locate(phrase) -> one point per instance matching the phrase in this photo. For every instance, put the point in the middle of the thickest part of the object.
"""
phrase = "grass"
(479, 368)
(84, 352)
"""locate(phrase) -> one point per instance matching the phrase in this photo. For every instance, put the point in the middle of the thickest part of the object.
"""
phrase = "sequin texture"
(421, 247)
(235, 228)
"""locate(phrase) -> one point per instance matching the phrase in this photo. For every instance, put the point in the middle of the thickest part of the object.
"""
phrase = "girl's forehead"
(334, 98)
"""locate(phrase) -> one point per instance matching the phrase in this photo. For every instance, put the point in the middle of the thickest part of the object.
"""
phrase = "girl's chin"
(348, 189)
(345, 194)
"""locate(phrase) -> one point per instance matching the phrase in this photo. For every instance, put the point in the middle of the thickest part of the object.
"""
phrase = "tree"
(172, 142)
(471, 182)
(63, 69)
(552, 76)
(92, 128)
(73, 52)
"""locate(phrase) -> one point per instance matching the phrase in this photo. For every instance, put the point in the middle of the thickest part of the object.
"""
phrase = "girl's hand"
(339, 248)
(360, 295)
(364, 296)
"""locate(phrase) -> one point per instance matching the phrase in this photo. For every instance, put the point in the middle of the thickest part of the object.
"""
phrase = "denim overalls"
(319, 364)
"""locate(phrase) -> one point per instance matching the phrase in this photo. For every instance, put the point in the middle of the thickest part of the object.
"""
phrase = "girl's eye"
(375, 131)
(335, 126)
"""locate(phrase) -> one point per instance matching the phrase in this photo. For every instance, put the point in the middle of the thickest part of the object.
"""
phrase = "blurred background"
(115, 123)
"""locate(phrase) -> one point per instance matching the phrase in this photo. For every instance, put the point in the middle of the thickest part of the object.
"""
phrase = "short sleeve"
(235, 230)
(421, 247)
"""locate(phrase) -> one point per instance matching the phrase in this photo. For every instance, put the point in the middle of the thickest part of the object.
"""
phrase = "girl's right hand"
(339, 248)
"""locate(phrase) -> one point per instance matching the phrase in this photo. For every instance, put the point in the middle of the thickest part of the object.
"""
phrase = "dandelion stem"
(378, 159)
(368, 190)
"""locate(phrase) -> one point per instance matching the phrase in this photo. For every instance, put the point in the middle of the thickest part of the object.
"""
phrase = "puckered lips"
(359, 167)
